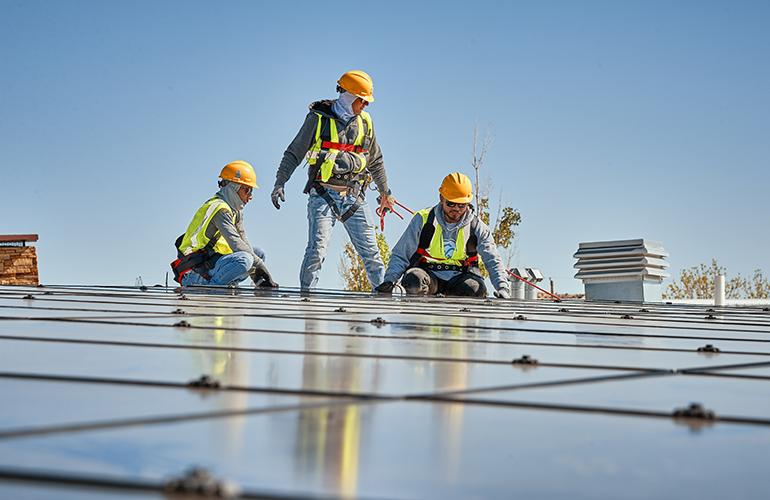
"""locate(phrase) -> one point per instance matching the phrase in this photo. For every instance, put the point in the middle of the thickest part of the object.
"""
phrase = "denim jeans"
(230, 269)
(360, 228)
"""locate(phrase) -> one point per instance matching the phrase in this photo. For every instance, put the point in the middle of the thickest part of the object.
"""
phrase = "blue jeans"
(360, 228)
(230, 269)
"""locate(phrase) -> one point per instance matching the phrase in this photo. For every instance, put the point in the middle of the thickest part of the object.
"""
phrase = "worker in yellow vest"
(215, 250)
(338, 141)
(439, 251)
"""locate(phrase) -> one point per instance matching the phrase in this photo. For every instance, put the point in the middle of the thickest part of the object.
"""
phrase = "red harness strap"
(466, 263)
(343, 147)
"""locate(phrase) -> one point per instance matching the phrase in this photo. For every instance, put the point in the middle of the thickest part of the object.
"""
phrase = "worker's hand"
(503, 293)
(276, 195)
(386, 202)
(385, 288)
(261, 276)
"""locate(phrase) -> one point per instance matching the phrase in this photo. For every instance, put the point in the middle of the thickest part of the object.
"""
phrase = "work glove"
(261, 276)
(503, 293)
(385, 288)
(276, 195)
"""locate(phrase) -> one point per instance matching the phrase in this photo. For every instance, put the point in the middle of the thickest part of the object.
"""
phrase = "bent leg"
(231, 269)
(320, 223)
(360, 228)
(418, 281)
(466, 285)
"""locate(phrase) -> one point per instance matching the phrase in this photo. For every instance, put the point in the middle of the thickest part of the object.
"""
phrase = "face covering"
(343, 106)
(229, 193)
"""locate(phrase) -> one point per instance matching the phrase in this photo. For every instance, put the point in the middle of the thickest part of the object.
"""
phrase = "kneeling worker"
(215, 250)
(439, 251)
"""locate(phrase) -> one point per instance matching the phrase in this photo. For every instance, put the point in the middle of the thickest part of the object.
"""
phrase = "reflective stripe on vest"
(434, 254)
(331, 153)
(195, 237)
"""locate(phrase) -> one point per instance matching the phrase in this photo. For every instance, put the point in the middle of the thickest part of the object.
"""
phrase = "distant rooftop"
(111, 392)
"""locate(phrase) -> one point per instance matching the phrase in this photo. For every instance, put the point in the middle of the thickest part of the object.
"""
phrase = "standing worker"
(215, 250)
(343, 157)
(439, 251)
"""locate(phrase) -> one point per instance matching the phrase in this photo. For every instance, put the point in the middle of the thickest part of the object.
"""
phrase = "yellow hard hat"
(241, 172)
(358, 83)
(457, 188)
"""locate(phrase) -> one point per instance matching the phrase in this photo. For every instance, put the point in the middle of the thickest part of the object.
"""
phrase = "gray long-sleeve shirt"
(233, 232)
(409, 241)
(345, 161)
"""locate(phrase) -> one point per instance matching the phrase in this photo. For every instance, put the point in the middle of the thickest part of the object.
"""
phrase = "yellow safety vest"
(195, 237)
(332, 145)
(430, 249)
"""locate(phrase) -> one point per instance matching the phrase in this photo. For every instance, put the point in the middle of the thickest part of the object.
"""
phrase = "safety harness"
(201, 261)
(326, 147)
(421, 255)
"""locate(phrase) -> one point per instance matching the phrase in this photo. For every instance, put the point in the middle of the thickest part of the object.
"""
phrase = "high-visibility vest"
(331, 145)
(430, 249)
(195, 237)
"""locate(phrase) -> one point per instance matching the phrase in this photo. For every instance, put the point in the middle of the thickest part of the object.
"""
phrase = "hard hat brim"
(459, 199)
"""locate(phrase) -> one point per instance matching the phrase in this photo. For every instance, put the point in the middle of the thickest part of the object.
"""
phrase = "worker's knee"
(416, 281)
(468, 285)
(259, 252)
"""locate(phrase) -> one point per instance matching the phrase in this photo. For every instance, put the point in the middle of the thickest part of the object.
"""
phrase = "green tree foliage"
(352, 268)
(697, 282)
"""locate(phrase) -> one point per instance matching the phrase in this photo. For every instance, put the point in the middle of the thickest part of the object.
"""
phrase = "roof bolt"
(669, 303)
(710, 316)
(143, 288)
(199, 482)
(49, 292)
(766, 309)
(563, 310)
(643, 310)
(304, 299)
(182, 324)
(626, 316)
(618, 302)
(184, 297)
(465, 309)
(378, 321)
(340, 310)
(710, 310)
(708, 348)
(520, 317)
(178, 311)
(525, 360)
(695, 410)
(204, 382)
(28, 297)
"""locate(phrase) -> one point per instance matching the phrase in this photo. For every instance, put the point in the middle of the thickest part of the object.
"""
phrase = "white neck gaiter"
(343, 106)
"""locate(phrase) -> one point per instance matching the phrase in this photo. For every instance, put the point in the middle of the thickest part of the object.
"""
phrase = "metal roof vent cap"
(622, 270)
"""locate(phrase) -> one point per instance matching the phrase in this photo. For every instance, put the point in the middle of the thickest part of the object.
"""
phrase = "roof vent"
(623, 270)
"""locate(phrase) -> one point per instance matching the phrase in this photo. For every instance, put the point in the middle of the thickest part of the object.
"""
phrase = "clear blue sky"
(611, 120)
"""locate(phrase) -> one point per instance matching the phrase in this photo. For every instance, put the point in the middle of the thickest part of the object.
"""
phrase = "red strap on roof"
(343, 147)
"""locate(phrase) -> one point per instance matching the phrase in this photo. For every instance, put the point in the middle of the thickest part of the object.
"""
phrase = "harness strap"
(352, 148)
(199, 261)
(324, 193)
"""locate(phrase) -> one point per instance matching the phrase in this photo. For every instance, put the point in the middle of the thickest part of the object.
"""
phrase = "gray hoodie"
(407, 246)
(345, 162)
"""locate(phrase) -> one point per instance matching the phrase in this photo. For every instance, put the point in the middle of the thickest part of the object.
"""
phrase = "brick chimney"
(18, 262)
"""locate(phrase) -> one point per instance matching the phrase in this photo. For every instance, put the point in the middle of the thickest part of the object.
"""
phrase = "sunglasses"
(247, 190)
(452, 204)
